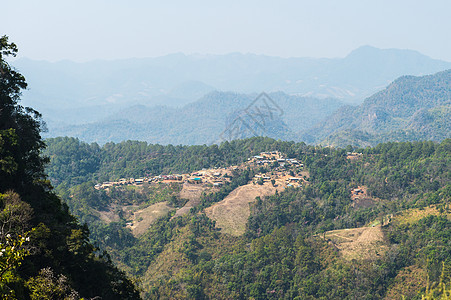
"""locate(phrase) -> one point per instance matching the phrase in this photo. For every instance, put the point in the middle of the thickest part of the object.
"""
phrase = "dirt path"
(231, 214)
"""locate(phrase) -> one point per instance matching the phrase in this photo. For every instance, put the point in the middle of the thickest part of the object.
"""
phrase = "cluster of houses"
(218, 176)
(139, 181)
(358, 192)
(279, 172)
(292, 180)
(353, 155)
(266, 158)
(280, 177)
(214, 176)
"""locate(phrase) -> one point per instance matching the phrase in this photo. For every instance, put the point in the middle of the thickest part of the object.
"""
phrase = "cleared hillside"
(231, 214)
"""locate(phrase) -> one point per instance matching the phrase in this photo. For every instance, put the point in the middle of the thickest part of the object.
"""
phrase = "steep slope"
(321, 240)
(231, 214)
(411, 108)
(45, 253)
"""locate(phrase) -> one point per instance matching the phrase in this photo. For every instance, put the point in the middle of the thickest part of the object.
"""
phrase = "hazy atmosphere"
(87, 30)
(225, 150)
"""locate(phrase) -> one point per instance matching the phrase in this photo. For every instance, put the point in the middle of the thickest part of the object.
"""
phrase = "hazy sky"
(108, 29)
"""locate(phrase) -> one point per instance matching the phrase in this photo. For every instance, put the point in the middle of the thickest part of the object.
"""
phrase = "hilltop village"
(272, 172)
(271, 167)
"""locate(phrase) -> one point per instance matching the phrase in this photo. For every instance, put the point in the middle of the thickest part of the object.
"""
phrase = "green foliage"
(27, 204)
(144, 250)
(425, 242)
(286, 259)
(13, 251)
(282, 254)
(409, 109)
(442, 289)
(73, 162)
(47, 286)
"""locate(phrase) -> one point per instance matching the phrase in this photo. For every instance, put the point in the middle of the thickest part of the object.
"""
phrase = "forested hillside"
(73, 161)
(44, 252)
(370, 223)
(253, 218)
(411, 108)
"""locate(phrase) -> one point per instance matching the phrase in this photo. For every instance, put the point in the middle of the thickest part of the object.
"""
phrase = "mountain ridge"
(204, 121)
(179, 79)
(407, 105)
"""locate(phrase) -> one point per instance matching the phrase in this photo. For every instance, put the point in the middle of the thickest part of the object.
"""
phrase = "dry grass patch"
(413, 215)
(192, 192)
(407, 283)
(231, 214)
(359, 243)
(109, 215)
(144, 218)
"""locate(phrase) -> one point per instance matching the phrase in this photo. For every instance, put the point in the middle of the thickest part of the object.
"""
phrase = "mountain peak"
(368, 51)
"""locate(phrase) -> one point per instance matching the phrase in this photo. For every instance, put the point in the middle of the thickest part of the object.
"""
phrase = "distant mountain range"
(411, 108)
(179, 99)
(77, 93)
(216, 117)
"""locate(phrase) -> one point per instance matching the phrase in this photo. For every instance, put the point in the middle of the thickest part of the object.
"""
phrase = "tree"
(13, 250)
(26, 201)
(49, 286)
(20, 128)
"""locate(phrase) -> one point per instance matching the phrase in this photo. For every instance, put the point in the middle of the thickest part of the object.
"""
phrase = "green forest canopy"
(286, 257)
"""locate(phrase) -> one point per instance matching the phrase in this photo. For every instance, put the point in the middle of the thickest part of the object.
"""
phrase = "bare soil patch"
(192, 191)
(360, 198)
